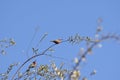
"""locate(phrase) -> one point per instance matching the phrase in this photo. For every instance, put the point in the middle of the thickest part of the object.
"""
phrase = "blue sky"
(60, 19)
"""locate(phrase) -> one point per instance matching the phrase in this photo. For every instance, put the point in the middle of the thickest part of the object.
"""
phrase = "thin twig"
(41, 39)
(27, 51)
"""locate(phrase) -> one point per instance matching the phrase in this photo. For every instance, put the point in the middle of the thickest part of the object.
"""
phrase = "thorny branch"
(109, 36)
(40, 54)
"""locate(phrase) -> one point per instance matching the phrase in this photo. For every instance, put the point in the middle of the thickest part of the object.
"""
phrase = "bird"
(32, 65)
(57, 41)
